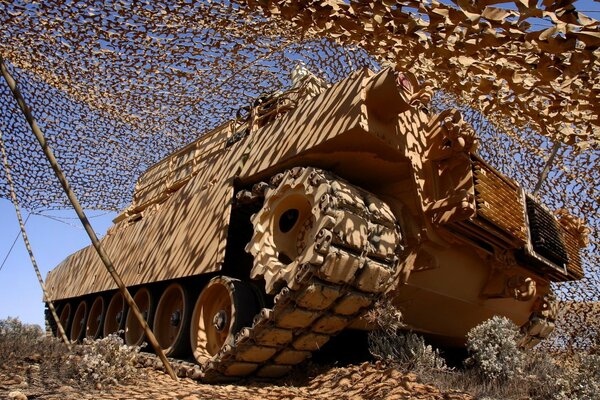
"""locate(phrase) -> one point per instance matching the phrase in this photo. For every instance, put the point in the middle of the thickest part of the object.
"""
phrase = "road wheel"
(134, 332)
(78, 325)
(65, 319)
(95, 320)
(170, 320)
(223, 308)
(115, 314)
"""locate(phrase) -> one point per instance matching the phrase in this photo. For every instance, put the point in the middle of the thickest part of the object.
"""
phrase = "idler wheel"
(95, 319)
(171, 320)
(134, 332)
(115, 314)
(65, 318)
(78, 326)
(223, 308)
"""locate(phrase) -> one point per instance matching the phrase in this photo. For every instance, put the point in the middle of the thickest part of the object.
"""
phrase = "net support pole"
(13, 197)
(546, 170)
(12, 84)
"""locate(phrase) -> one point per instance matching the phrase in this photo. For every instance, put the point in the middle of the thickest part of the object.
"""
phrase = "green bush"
(507, 371)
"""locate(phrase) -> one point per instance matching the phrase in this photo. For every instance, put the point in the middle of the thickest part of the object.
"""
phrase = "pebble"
(16, 395)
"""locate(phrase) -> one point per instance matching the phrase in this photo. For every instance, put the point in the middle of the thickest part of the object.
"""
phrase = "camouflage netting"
(117, 85)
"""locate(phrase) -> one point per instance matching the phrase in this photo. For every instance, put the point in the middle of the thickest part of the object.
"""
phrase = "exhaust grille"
(546, 235)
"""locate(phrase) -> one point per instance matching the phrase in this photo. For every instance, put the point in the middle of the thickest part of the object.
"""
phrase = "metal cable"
(13, 243)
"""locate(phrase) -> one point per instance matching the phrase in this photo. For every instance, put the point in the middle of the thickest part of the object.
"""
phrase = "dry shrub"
(20, 343)
(498, 368)
(494, 350)
(105, 361)
(24, 344)
(385, 315)
(102, 361)
(19, 340)
(405, 349)
(579, 376)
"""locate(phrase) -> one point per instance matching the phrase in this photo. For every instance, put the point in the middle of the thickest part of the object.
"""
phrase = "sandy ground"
(365, 381)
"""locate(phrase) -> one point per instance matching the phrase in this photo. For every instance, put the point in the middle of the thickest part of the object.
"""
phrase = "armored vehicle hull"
(252, 246)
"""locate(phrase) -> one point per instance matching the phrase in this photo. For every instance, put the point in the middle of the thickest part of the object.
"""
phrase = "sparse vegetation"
(105, 361)
(18, 339)
(405, 349)
(20, 343)
(494, 351)
(497, 368)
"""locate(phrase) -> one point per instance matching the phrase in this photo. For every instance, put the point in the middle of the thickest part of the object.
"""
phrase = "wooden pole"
(82, 217)
(546, 169)
(13, 197)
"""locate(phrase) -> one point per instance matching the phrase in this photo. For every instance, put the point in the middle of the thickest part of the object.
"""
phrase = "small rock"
(98, 386)
(190, 397)
(16, 395)
(65, 389)
(195, 373)
(33, 368)
(35, 358)
(394, 373)
(345, 383)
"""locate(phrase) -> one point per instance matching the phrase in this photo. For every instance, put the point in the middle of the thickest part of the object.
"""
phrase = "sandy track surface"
(365, 381)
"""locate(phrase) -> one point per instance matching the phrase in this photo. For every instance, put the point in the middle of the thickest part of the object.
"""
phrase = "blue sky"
(53, 240)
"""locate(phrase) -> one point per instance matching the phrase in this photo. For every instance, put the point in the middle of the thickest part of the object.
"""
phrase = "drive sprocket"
(306, 210)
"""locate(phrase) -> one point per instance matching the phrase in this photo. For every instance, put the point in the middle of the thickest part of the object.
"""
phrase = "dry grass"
(496, 367)
(102, 361)
(23, 344)
(536, 374)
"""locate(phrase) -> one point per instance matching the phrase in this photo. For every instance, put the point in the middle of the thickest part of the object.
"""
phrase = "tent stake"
(82, 217)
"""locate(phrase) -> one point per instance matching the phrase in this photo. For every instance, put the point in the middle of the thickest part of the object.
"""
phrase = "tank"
(254, 245)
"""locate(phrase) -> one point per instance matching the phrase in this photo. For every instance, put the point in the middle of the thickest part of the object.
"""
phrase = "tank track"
(344, 274)
(324, 295)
